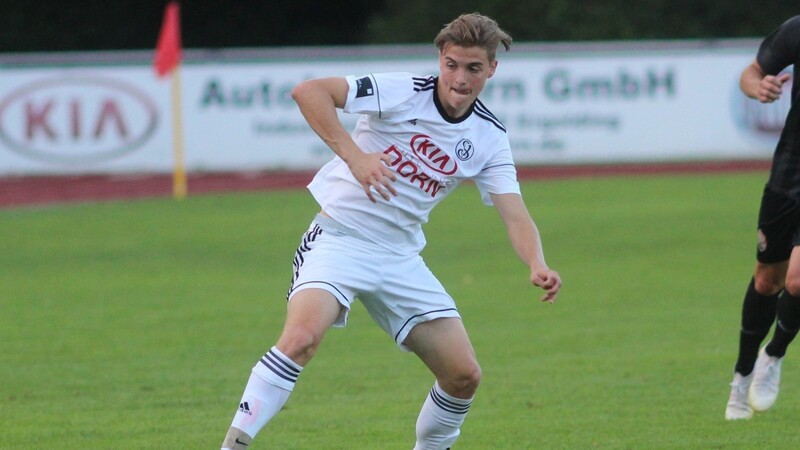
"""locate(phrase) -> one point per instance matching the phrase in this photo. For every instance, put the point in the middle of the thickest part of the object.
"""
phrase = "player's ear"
(492, 68)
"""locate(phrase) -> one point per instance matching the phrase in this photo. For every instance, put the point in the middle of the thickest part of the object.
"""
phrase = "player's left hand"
(549, 280)
(770, 87)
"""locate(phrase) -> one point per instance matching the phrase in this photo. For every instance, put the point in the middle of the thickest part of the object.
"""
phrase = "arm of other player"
(318, 100)
(524, 237)
(755, 84)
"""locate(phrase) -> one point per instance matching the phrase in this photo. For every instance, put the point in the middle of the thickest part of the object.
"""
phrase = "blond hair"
(473, 30)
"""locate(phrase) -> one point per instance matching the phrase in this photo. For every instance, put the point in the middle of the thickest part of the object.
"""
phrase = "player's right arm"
(318, 100)
(755, 84)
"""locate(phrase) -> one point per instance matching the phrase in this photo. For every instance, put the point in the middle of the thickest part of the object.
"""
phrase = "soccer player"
(417, 139)
(775, 287)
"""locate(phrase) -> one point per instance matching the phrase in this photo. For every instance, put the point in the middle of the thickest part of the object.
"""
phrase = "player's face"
(463, 73)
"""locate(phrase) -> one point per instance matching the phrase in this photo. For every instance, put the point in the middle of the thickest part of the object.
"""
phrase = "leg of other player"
(777, 224)
(788, 309)
(767, 373)
(443, 345)
(758, 315)
(758, 311)
(310, 314)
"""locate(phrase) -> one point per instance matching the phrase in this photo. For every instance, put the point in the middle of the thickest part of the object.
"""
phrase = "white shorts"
(398, 291)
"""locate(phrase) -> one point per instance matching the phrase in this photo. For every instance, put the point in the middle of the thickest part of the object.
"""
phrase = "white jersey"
(431, 153)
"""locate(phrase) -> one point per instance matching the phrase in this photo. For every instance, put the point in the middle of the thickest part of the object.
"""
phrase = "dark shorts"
(778, 227)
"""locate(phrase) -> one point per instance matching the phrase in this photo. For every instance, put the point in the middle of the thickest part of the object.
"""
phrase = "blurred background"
(49, 25)
(587, 83)
(133, 325)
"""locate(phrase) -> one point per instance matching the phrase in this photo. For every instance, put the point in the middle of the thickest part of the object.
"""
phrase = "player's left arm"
(757, 85)
(526, 241)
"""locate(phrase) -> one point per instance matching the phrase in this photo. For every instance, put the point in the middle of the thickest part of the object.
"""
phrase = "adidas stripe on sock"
(271, 381)
(276, 368)
(439, 421)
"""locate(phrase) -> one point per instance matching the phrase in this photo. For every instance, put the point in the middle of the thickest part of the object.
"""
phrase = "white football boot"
(766, 381)
(737, 407)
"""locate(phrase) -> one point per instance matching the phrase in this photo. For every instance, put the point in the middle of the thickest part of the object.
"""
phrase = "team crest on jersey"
(464, 149)
(364, 87)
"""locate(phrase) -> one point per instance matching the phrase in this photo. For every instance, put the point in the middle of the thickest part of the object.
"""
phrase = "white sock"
(267, 390)
(439, 421)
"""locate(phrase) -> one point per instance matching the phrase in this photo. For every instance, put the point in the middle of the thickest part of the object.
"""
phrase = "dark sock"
(758, 314)
(787, 327)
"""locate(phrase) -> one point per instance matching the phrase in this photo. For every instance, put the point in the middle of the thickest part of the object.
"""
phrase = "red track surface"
(44, 190)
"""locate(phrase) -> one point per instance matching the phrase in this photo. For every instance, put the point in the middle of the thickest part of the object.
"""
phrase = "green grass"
(133, 325)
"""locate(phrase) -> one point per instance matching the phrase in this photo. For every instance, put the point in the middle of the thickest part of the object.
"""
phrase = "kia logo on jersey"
(76, 119)
(432, 156)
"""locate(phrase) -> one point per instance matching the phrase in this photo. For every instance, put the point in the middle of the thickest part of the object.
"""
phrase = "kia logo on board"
(71, 120)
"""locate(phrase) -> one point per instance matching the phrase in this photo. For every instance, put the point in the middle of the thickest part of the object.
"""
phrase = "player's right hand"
(372, 173)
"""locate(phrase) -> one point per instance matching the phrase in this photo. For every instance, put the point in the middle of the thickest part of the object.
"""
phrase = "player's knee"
(299, 344)
(793, 286)
(768, 284)
(464, 382)
(472, 379)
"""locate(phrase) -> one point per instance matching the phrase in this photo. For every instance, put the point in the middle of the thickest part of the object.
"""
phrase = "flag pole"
(179, 184)
(167, 61)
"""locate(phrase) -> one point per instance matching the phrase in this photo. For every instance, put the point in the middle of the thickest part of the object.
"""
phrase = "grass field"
(133, 325)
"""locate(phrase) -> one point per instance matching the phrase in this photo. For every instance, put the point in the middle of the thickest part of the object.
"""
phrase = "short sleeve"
(378, 93)
(499, 177)
(780, 48)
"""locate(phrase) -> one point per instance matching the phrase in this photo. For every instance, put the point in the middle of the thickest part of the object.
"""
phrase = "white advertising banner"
(560, 106)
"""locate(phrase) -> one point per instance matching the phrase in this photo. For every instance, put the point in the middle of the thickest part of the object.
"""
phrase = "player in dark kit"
(774, 290)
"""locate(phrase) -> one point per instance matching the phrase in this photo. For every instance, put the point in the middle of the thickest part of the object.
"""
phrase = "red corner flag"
(168, 50)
